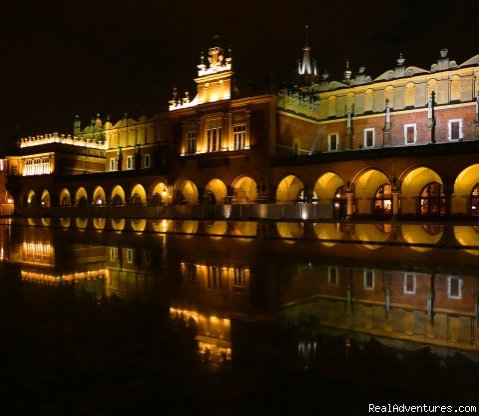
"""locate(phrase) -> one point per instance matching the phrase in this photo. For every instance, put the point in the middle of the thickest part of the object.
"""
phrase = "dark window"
(455, 129)
(410, 134)
(369, 140)
(333, 142)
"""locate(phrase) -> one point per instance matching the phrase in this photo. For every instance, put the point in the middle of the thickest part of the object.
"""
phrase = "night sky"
(86, 57)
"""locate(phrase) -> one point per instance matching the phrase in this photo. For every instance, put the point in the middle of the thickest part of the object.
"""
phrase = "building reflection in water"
(212, 283)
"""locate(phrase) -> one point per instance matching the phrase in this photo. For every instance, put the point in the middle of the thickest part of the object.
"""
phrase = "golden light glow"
(61, 138)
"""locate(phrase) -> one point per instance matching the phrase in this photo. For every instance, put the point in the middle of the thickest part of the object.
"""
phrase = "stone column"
(349, 202)
(395, 204)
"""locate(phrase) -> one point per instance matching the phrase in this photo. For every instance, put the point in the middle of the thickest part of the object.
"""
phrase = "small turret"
(347, 74)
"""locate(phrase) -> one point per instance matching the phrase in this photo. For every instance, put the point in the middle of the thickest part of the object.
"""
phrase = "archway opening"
(65, 200)
(117, 196)
(81, 198)
(45, 200)
(290, 190)
(31, 199)
(159, 194)
(99, 198)
(474, 201)
(215, 192)
(138, 195)
(244, 190)
(187, 193)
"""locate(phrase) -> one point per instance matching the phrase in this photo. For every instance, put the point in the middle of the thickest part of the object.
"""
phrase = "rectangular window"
(333, 278)
(239, 281)
(455, 129)
(333, 142)
(410, 133)
(454, 287)
(191, 272)
(369, 279)
(214, 137)
(147, 257)
(112, 164)
(129, 162)
(147, 161)
(409, 283)
(214, 277)
(113, 253)
(129, 255)
(191, 138)
(369, 137)
(239, 136)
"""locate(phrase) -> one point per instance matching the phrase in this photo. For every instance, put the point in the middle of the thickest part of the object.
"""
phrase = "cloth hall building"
(402, 144)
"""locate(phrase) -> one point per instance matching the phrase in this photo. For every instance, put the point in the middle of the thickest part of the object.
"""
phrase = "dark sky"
(86, 57)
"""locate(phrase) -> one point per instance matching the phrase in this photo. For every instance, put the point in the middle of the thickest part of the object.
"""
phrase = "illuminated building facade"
(401, 144)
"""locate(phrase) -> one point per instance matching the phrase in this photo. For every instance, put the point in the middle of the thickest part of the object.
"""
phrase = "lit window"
(369, 279)
(147, 163)
(239, 281)
(454, 287)
(214, 137)
(239, 136)
(369, 137)
(409, 283)
(214, 277)
(191, 138)
(333, 142)
(112, 164)
(455, 129)
(113, 253)
(410, 133)
(129, 162)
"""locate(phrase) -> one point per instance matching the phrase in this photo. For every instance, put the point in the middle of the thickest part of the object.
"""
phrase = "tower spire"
(307, 69)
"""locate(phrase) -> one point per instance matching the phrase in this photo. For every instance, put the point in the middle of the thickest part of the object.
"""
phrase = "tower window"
(112, 164)
(129, 162)
(147, 162)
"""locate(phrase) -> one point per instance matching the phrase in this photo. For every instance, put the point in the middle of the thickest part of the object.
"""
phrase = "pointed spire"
(347, 73)
(306, 36)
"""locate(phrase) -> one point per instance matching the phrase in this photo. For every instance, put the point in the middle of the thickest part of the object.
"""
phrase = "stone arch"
(289, 189)
(81, 197)
(245, 190)
(465, 189)
(99, 196)
(215, 192)
(216, 229)
(420, 236)
(65, 198)
(138, 225)
(31, 199)
(187, 193)
(159, 194)
(99, 223)
(290, 231)
(118, 224)
(412, 185)
(366, 188)
(138, 195)
(45, 201)
(326, 185)
(117, 197)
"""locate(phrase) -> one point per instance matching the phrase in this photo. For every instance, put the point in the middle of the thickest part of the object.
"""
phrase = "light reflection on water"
(325, 295)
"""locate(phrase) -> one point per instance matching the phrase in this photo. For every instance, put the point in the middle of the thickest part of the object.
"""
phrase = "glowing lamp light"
(9, 201)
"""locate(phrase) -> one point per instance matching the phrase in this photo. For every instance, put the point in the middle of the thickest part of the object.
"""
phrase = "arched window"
(475, 201)
(383, 200)
(432, 201)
